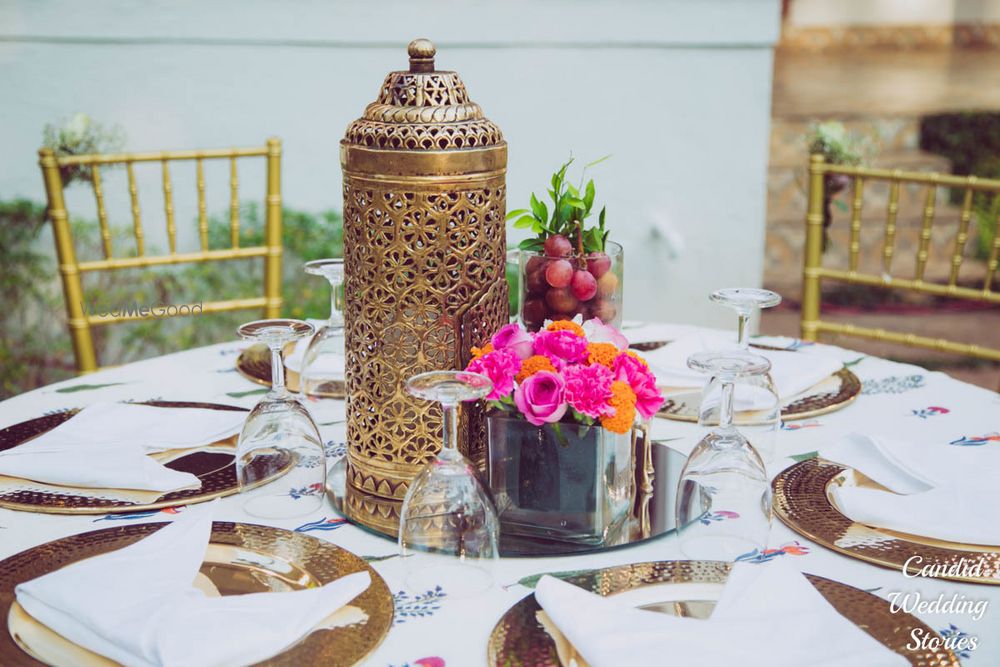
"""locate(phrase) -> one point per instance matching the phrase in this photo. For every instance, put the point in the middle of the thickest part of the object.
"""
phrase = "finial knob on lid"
(421, 55)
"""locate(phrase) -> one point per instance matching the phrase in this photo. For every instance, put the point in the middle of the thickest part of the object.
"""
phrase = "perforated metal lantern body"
(424, 250)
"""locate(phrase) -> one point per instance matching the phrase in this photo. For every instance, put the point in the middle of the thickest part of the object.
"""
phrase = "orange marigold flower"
(482, 351)
(567, 325)
(623, 401)
(602, 353)
(634, 355)
(532, 365)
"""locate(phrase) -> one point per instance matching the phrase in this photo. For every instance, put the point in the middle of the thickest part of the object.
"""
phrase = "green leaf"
(85, 387)
(588, 195)
(799, 458)
(532, 580)
(539, 209)
(249, 392)
(553, 195)
(525, 222)
(597, 161)
(576, 202)
(531, 244)
(600, 219)
(848, 364)
(571, 189)
(516, 212)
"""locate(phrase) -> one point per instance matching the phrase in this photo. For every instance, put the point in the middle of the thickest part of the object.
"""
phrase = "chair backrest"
(814, 272)
(80, 322)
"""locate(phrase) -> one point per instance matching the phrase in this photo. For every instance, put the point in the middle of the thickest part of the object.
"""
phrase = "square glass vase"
(575, 484)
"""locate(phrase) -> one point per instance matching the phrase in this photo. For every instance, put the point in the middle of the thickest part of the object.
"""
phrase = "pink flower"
(541, 398)
(588, 389)
(642, 381)
(564, 345)
(513, 337)
(500, 366)
(599, 332)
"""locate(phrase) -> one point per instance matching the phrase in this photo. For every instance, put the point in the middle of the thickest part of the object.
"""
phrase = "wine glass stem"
(450, 427)
(743, 330)
(726, 408)
(336, 316)
(277, 371)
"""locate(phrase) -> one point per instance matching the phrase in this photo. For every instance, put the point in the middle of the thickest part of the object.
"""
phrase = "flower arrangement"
(570, 371)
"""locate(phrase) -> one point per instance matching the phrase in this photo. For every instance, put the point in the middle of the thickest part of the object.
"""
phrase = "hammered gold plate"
(802, 501)
(520, 639)
(241, 558)
(254, 363)
(836, 392)
(213, 464)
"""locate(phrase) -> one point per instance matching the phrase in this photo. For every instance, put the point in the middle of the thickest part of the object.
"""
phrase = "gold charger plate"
(520, 639)
(213, 464)
(802, 502)
(241, 558)
(254, 363)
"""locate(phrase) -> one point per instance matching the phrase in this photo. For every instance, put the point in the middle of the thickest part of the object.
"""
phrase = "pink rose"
(563, 344)
(648, 399)
(513, 337)
(599, 332)
(541, 399)
(500, 366)
(588, 389)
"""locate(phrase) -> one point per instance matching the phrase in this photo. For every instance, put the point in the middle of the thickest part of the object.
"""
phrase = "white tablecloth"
(907, 401)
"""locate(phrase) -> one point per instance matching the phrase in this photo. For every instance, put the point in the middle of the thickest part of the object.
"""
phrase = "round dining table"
(430, 629)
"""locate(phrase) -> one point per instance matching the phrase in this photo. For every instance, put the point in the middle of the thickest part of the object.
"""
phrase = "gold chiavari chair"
(71, 270)
(814, 272)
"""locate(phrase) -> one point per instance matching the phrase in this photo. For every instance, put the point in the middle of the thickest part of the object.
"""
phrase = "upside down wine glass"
(322, 372)
(746, 301)
(723, 507)
(280, 463)
(448, 527)
(756, 402)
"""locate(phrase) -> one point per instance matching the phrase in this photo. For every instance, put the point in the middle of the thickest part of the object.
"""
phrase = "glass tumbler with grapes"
(560, 282)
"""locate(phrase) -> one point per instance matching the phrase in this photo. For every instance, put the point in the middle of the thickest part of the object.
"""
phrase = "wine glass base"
(278, 506)
(457, 578)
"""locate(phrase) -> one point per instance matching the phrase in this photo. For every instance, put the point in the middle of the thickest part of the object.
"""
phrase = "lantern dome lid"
(423, 109)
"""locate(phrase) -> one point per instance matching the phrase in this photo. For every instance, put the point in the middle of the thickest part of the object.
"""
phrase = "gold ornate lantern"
(424, 250)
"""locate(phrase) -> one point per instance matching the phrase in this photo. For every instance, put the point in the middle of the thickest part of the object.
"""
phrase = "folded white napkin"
(769, 615)
(938, 490)
(137, 605)
(792, 372)
(106, 445)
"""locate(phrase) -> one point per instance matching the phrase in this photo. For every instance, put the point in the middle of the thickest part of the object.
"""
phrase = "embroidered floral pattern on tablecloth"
(323, 524)
(798, 426)
(417, 606)
(430, 661)
(976, 440)
(932, 411)
(894, 384)
(953, 633)
(335, 449)
(788, 549)
(140, 515)
(720, 515)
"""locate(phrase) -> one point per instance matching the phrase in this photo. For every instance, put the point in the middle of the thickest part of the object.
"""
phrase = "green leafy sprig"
(571, 206)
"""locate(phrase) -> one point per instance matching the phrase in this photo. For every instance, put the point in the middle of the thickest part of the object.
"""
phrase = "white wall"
(822, 13)
(677, 90)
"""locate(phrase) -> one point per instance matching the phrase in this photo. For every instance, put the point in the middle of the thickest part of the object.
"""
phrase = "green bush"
(35, 346)
(971, 141)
